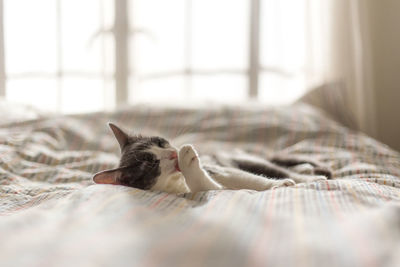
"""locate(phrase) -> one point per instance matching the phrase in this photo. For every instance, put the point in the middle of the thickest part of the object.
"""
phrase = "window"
(75, 56)
(190, 48)
(55, 57)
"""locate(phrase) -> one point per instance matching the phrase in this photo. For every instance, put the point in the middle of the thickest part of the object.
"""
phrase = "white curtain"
(338, 50)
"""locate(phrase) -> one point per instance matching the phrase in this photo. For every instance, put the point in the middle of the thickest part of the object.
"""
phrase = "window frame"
(121, 32)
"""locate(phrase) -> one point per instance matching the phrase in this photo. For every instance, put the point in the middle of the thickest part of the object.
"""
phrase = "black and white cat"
(153, 163)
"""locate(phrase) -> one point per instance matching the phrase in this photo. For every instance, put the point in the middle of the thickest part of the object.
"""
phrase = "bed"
(52, 214)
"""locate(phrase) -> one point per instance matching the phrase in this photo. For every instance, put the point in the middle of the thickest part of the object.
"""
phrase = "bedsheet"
(52, 214)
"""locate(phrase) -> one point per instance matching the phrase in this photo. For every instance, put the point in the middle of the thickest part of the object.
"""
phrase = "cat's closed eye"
(161, 142)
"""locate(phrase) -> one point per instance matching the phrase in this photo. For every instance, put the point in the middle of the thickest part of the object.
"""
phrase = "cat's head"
(146, 162)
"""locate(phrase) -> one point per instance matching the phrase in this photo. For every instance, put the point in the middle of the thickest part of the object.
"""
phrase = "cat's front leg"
(196, 177)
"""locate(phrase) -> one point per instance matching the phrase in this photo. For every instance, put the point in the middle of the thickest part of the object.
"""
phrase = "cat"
(152, 163)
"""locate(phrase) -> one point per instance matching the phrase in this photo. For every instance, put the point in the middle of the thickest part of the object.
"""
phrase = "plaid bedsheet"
(53, 215)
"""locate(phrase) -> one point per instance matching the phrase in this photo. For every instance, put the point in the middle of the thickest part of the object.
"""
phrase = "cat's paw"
(317, 178)
(188, 157)
(308, 178)
(196, 177)
(189, 163)
(283, 183)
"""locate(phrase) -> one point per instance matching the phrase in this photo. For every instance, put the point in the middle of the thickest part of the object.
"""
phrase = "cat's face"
(146, 162)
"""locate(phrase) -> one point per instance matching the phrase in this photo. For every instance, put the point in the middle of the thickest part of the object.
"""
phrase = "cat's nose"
(173, 155)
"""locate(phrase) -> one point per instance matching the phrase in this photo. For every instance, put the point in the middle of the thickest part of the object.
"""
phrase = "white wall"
(385, 29)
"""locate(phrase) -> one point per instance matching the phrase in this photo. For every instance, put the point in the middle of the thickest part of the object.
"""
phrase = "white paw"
(317, 178)
(188, 157)
(309, 178)
(283, 183)
(314, 178)
(189, 163)
(196, 178)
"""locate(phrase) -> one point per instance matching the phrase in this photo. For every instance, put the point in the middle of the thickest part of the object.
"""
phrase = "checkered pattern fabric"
(52, 214)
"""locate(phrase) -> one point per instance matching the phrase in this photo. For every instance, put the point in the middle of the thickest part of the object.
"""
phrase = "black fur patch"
(266, 169)
(139, 168)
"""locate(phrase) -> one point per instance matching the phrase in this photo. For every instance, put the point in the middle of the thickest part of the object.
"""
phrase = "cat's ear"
(119, 134)
(107, 177)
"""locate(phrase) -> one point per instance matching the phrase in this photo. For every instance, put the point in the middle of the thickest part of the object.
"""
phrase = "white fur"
(170, 179)
(194, 178)
(197, 179)
(233, 178)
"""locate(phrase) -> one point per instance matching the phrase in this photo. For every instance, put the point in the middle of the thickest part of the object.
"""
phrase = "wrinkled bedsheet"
(52, 214)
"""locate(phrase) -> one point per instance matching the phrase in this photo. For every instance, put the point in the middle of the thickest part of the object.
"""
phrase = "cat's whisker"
(183, 130)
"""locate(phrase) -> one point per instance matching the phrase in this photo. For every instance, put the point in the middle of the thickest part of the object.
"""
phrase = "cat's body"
(152, 163)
